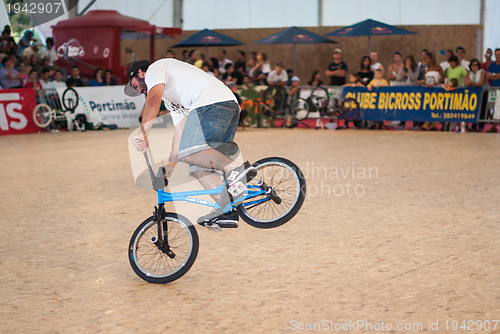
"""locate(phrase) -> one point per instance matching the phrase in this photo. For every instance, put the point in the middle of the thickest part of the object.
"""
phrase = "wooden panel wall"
(317, 56)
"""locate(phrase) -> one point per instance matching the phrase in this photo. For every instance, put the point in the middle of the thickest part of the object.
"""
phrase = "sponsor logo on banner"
(16, 110)
(108, 105)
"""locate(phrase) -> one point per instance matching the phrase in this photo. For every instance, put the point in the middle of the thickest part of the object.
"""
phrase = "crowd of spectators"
(29, 64)
(455, 71)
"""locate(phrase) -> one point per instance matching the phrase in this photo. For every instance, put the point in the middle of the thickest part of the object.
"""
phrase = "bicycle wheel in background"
(300, 109)
(148, 257)
(319, 98)
(349, 109)
(43, 115)
(274, 98)
(288, 192)
(70, 99)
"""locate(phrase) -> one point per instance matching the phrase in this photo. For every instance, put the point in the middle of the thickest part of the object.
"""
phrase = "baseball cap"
(132, 72)
(337, 51)
(295, 78)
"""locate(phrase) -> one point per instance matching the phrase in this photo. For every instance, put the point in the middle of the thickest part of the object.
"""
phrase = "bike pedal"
(213, 227)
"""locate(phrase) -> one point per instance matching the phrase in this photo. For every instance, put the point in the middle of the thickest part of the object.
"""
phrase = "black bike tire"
(183, 268)
(307, 104)
(343, 113)
(72, 109)
(296, 205)
(327, 101)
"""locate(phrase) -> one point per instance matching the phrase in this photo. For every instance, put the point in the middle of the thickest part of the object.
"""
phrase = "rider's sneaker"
(238, 177)
(224, 220)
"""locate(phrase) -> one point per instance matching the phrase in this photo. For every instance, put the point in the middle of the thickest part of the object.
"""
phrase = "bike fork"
(161, 241)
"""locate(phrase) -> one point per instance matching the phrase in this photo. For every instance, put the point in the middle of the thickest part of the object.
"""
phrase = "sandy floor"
(399, 229)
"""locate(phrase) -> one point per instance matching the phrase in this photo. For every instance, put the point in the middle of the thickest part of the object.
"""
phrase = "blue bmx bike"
(164, 247)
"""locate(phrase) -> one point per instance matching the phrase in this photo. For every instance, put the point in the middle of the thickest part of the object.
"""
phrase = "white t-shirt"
(186, 87)
(274, 77)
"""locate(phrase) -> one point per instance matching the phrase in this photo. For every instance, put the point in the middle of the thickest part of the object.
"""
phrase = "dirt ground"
(399, 228)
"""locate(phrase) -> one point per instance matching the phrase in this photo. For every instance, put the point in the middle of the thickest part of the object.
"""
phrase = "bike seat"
(228, 149)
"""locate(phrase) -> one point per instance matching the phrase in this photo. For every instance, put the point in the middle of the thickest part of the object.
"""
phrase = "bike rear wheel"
(300, 109)
(349, 109)
(287, 183)
(148, 258)
(320, 98)
(43, 115)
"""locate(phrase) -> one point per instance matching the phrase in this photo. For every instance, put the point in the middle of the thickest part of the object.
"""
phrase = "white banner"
(108, 105)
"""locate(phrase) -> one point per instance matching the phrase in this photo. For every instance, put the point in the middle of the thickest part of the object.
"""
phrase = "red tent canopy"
(94, 39)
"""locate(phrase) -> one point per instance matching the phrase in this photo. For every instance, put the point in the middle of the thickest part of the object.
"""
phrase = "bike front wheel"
(152, 260)
(43, 115)
(288, 189)
(349, 109)
(300, 109)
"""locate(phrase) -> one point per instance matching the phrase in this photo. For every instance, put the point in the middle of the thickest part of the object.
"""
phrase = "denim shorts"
(208, 127)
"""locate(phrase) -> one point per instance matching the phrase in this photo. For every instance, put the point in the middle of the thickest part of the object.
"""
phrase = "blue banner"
(403, 103)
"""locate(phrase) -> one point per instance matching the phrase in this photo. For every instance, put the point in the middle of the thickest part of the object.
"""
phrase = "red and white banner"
(16, 111)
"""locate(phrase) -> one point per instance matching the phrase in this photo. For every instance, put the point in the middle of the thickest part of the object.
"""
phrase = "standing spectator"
(74, 80)
(223, 61)
(170, 54)
(410, 71)
(49, 51)
(108, 78)
(240, 64)
(422, 66)
(434, 76)
(365, 71)
(395, 71)
(488, 55)
(278, 77)
(45, 80)
(445, 64)
(49, 94)
(460, 51)
(455, 71)
(477, 78)
(195, 58)
(494, 76)
(97, 79)
(337, 70)
(9, 76)
(58, 83)
(315, 79)
(377, 81)
(375, 65)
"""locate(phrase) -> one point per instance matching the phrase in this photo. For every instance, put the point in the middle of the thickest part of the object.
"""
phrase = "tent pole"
(294, 60)
(369, 45)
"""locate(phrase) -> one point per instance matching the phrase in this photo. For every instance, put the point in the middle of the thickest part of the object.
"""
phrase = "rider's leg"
(212, 159)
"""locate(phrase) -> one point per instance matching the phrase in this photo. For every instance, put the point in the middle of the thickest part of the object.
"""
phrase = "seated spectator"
(74, 80)
(51, 97)
(214, 66)
(365, 70)
(277, 77)
(49, 51)
(240, 65)
(108, 78)
(450, 86)
(9, 76)
(294, 90)
(231, 75)
(33, 63)
(170, 54)
(35, 84)
(97, 79)
(7, 44)
(375, 65)
(455, 71)
(223, 61)
(23, 73)
(25, 42)
(315, 79)
(58, 77)
(206, 67)
(196, 58)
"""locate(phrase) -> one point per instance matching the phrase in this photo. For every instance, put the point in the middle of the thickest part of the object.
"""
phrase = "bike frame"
(191, 197)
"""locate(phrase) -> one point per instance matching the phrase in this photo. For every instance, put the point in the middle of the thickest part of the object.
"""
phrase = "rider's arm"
(153, 102)
(174, 153)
